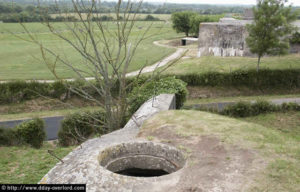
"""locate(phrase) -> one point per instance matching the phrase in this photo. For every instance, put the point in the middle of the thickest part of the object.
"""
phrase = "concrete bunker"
(142, 159)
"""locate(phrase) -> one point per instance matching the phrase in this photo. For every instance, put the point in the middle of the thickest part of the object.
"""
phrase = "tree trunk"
(258, 62)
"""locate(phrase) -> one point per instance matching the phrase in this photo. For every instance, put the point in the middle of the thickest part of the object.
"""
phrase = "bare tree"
(107, 52)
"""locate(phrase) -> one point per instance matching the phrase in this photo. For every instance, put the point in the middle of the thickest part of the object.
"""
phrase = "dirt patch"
(211, 164)
(198, 92)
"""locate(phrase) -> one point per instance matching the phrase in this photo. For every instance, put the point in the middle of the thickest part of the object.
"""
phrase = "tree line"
(109, 7)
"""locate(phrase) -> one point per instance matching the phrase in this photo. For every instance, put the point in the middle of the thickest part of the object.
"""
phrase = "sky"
(240, 2)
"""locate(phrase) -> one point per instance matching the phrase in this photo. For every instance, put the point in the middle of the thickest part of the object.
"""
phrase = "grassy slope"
(287, 123)
(227, 64)
(22, 60)
(27, 165)
(281, 151)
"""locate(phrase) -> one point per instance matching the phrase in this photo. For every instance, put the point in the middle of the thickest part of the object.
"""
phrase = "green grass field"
(28, 165)
(22, 60)
(228, 64)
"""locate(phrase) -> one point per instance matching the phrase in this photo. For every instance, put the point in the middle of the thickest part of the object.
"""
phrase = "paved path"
(220, 106)
(52, 125)
(147, 69)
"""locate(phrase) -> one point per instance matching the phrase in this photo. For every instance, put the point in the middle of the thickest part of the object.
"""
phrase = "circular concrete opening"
(142, 159)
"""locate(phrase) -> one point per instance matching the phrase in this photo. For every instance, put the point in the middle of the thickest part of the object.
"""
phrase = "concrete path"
(220, 106)
(52, 125)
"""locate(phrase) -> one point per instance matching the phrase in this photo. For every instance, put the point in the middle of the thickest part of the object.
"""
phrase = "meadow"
(229, 64)
(20, 59)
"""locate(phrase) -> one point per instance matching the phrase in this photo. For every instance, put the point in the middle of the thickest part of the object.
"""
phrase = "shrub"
(288, 78)
(261, 107)
(7, 137)
(78, 127)
(18, 91)
(290, 107)
(31, 132)
(151, 18)
(240, 109)
(168, 85)
(295, 39)
(243, 109)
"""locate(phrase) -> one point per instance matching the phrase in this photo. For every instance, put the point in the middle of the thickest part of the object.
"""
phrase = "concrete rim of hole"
(142, 158)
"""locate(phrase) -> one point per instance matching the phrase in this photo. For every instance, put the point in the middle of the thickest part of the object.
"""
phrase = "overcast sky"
(241, 2)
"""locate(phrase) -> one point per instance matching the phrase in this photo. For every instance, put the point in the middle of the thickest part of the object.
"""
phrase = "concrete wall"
(223, 39)
(227, 38)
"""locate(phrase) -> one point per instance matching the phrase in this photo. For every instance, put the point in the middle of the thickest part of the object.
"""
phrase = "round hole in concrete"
(142, 159)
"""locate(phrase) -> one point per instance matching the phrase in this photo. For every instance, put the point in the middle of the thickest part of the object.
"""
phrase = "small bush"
(78, 127)
(7, 137)
(261, 107)
(31, 132)
(241, 109)
(151, 18)
(169, 85)
(290, 107)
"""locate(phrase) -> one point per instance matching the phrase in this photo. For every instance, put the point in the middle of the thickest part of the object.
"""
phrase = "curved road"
(52, 125)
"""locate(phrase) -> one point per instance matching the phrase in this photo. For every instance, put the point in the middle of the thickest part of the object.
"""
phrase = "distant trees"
(272, 25)
(151, 18)
(188, 22)
(182, 21)
(197, 19)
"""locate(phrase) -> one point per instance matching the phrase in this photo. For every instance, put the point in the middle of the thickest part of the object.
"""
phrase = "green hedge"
(246, 109)
(78, 127)
(171, 85)
(18, 91)
(289, 78)
(30, 132)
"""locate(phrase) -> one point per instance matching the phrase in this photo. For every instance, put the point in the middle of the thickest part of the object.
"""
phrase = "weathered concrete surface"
(228, 38)
(82, 165)
(225, 38)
